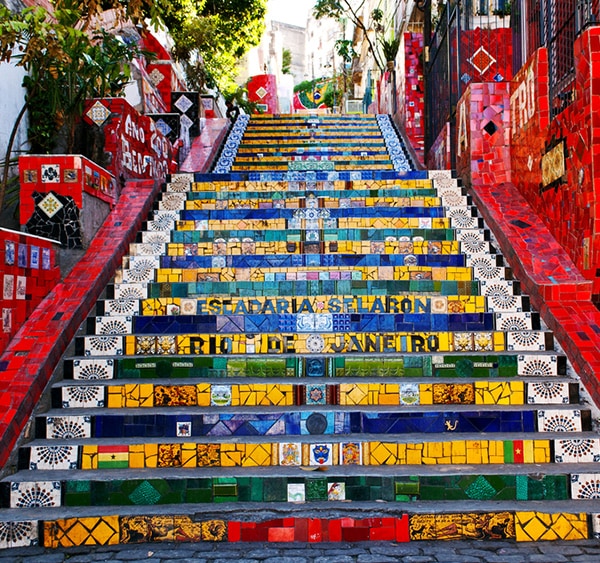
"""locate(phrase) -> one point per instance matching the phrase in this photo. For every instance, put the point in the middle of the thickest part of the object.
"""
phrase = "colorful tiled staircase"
(314, 343)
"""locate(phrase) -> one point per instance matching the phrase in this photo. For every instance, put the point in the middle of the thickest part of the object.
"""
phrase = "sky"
(290, 11)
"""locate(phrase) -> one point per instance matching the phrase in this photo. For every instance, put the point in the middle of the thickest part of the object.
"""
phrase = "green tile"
(316, 489)
(257, 489)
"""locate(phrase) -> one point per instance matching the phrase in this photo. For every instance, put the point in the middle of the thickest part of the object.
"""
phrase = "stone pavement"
(584, 551)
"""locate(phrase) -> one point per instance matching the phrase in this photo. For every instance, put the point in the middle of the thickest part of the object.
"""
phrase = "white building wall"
(12, 98)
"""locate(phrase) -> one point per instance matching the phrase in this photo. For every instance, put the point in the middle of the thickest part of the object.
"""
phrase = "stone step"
(243, 321)
(327, 343)
(500, 291)
(202, 183)
(198, 392)
(406, 367)
(321, 304)
(153, 490)
(69, 446)
(473, 241)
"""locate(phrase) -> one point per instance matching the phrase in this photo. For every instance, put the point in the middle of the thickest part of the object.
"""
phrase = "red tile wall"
(28, 272)
(138, 149)
(77, 174)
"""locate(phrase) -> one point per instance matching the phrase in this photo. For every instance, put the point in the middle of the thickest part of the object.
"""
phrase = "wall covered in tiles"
(28, 270)
(53, 191)
(414, 95)
(132, 144)
(262, 90)
(483, 146)
(554, 159)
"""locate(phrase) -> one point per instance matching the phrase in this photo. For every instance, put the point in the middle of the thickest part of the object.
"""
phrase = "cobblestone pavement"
(587, 551)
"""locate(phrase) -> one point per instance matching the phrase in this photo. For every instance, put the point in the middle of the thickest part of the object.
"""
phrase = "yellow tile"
(414, 454)
(231, 456)
(496, 451)
(89, 457)
(189, 455)
(426, 394)
(257, 455)
(115, 397)
(473, 451)
(137, 456)
(203, 394)
(151, 454)
(541, 451)
(432, 453)
(73, 532)
(382, 453)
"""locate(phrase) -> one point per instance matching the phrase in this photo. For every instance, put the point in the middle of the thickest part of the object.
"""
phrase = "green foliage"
(344, 48)
(211, 36)
(389, 48)
(340, 9)
(286, 61)
(66, 64)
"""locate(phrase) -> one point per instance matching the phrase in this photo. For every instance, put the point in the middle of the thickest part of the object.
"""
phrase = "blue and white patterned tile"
(20, 533)
(513, 321)
(155, 237)
(554, 420)
(548, 393)
(586, 450)
(180, 183)
(83, 396)
(172, 202)
(462, 217)
(121, 307)
(68, 427)
(585, 486)
(147, 249)
(499, 294)
(37, 494)
(130, 290)
(162, 220)
(91, 369)
(103, 345)
(526, 340)
(113, 325)
(534, 365)
(53, 457)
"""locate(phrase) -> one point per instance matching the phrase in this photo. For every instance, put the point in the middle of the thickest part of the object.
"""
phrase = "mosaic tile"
(22, 533)
(39, 494)
(72, 532)
(581, 450)
(559, 421)
(53, 457)
(537, 526)
(67, 427)
(82, 396)
(91, 369)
